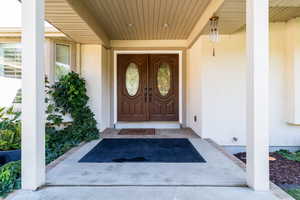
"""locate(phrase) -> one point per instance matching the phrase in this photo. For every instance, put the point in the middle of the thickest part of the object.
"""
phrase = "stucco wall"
(193, 81)
(217, 89)
(95, 70)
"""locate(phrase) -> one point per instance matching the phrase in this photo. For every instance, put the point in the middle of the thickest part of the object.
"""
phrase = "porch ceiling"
(150, 20)
(67, 20)
(99, 21)
(233, 14)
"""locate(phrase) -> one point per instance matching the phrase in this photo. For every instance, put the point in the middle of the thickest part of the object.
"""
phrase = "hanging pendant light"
(214, 31)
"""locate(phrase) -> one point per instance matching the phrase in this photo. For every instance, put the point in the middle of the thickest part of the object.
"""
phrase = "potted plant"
(10, 135)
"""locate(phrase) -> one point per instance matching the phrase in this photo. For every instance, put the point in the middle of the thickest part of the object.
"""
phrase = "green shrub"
(295, 193)
(295, 156)
(58, 143)
(10, 177)
(10, 129)
(68, 96)
(10, 140)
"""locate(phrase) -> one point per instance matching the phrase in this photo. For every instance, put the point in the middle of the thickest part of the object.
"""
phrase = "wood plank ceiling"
(151, 19)
(64, 18)
(233, 14)
(147, 19)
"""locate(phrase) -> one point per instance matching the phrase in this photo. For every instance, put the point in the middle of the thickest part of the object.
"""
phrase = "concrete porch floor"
(217, 171)
(218, 178)
(144, 193)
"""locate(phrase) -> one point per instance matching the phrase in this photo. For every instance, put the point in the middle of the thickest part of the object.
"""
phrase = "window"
(62, 60)
(164, 79)
(10, 60)
(132, 79)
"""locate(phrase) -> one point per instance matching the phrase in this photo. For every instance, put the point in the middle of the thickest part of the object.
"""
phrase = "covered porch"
(217, 170)
(104, 29)
(220, 177)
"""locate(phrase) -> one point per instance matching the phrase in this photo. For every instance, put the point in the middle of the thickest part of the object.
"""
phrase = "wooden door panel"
(163, 101)
(153, 99)
(132, 104)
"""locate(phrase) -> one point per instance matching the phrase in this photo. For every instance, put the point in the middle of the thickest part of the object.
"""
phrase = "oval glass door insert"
(164, 79)
(132, 79)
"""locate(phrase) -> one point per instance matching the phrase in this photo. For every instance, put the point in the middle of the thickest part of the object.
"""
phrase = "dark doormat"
(137, 131)
(143, 150)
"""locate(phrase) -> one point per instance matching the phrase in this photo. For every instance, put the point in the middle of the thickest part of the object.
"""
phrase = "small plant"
(10, 177)
(295, 156)
(10, 129)
(11, 139)
(68, 95)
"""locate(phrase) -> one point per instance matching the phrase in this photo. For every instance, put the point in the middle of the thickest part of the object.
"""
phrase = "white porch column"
(257, 94)
(293, 70)
(33, 102)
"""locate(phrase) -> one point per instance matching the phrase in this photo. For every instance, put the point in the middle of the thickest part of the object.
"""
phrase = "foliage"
(58, 143)
(10, 177)
(10, 140)
(69, 94)
(295, 193)
(295, 156)
(10, 129)
(54, 116)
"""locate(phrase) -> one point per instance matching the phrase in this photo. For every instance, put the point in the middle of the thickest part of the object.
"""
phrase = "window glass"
(164, 79)
(132, 79)
(10, 60)
(62, 61)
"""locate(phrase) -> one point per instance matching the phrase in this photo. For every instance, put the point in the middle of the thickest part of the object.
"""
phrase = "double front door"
(147, 87)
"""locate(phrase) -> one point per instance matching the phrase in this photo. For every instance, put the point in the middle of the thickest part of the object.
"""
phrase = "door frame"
(180, 84)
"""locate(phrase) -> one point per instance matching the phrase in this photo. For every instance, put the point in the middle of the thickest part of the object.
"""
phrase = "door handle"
(150, 94)
(146, 94)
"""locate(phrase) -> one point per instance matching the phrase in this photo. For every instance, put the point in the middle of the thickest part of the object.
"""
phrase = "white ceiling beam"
(85, 14)
(212, 7)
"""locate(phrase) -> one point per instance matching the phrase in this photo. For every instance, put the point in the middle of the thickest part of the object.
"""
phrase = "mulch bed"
(282, 170)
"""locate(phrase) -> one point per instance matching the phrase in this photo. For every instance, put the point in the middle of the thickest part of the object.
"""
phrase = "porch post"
(33, 102)
(257, 94)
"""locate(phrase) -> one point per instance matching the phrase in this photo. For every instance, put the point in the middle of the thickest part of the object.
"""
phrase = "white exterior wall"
(95, 70)
(194, 84)
(9, 88)
(218, 89)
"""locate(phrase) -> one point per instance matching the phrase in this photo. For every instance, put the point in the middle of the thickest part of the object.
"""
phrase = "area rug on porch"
(143, 150)
(150, 131)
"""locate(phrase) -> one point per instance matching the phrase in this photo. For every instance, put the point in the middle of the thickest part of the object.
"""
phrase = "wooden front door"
(147, 87)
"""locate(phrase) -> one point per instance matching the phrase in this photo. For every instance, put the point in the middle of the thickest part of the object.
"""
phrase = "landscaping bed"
(284, 170)
(67, 96)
